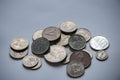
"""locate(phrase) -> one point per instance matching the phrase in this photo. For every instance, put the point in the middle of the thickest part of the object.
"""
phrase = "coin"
(101, 55)
(82, 57)
(75, 69)
(99, 43)
(19, 43)
(57, 54)
(77, 42)
(40, 46)
(89, 52)
(37, 34)
(84, 32)
(51, 33)
(68, 26)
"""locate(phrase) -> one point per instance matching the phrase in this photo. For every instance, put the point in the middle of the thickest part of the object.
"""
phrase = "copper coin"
(51, 33)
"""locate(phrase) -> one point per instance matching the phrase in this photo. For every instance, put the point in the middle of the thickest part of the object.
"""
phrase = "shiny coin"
(84, 32)
(89, 52)
(19, 43)
(77, 42)
(99, 43)
(75, 69)
(37, 34)
(82, 57)
(68, 26)
(40, 46)
(57, 54)
(51, 33)
(101, 55)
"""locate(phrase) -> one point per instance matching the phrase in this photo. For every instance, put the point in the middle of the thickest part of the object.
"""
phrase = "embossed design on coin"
(37, 34)
(89, 52)
(57, 54)
(101, 55)
(99, 43)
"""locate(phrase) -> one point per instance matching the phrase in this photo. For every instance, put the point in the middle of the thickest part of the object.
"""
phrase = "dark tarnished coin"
(77, 42)
(40, 45)
(51, 33)
(82, 57)
(75, 69)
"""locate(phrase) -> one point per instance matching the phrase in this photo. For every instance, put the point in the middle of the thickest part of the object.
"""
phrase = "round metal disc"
(101, 55)
(89, 52)
(37, 34)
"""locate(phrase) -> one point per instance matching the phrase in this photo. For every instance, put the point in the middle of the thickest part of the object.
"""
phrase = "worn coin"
(51, 33)
(57, 54)
(75, 69)
(68, 26)
(77, 42)
(101, 55)
(19, 43)
(89, 52)
(99, 43)
(37, 34)
(84, 32)
(40, 46)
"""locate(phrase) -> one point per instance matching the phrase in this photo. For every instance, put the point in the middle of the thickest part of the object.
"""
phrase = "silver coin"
(57, 54)
(101, 55)
(18, 54)
(84, 32)
(89, 52)
(19, 43)
(99, 43)
(68, 26)
(37, 34)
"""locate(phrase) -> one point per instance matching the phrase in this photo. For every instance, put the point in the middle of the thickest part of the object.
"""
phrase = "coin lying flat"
(99, 43)
(89, 52)
(40, 46)
(84, 32)
(101, 55)
(77, 42)
(57, 54)
(19, 43)
(37, 34)
(75, 69)
(51, 33)
(68, 26)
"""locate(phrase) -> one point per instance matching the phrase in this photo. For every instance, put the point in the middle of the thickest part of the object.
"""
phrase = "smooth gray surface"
(23, 17)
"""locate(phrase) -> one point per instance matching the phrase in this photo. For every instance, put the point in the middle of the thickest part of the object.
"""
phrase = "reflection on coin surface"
(75, 69)
(57, 54)
(37, 34)
(89, 52)
(40, 45)
(99, 43)
(84, 32)
(101, 55)
(68, 26)
(19, 43)
(51, 33)
(77, 42)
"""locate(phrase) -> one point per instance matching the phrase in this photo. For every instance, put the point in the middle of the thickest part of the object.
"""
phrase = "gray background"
(23, 17)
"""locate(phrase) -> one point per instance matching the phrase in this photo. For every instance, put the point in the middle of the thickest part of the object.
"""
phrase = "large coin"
(68, 26)
(77, 42)
(84, 32)
(99, 43)
(57, 54)
(19, 43)
(101, 55)
(51, 33)
(82, 57)
(89, 52)
(75, 69)
(37, 34)
(40, 46)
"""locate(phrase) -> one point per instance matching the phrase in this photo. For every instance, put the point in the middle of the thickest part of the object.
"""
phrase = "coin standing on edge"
(101, 55)
(37, 34)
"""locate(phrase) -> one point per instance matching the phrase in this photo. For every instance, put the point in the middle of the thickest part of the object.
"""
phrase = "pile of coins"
(65, 45)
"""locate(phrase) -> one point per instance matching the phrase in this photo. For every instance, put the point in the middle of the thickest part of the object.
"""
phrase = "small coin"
(40, 46)
(68, 26)
(89, 52)
(57, 54)
(101, 55)
(99, 43)
(18, 54)
(51, 33)
(84, 32)
(19, 43)
(77, 42)
(75, 69)
(82, 57)
(37, 34)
